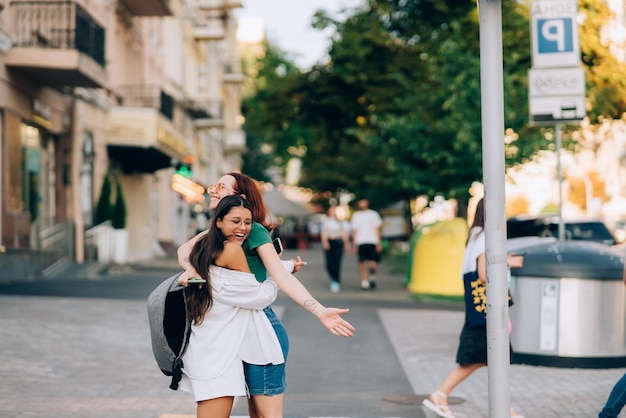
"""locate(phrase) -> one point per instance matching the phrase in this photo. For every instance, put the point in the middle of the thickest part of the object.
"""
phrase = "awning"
(279, 205)
(142, 139)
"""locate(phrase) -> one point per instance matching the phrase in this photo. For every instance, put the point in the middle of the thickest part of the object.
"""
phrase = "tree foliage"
(271, 113)
(606, 84)
(396, 111)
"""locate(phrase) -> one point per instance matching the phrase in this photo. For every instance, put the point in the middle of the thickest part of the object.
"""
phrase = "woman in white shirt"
(335, 240)
(472, 350)
(228, 322)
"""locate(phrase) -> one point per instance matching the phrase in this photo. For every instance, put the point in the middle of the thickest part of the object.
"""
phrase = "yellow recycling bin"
(437, 256)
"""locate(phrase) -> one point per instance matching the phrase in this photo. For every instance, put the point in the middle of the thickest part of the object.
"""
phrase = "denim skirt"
(269, 379)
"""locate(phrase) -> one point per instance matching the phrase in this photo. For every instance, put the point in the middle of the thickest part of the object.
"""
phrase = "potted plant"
(118, 214)
(103, 208)
(102, 222)
(118, 222)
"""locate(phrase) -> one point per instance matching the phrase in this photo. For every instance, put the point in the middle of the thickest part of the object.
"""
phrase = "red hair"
(246, 185)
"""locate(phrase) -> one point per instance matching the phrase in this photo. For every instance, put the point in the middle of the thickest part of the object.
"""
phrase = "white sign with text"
(554, 32)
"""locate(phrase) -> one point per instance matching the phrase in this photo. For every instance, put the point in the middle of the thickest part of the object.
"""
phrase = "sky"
(288, 25)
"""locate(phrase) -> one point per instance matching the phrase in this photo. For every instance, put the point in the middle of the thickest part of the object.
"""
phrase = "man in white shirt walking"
(366, 237)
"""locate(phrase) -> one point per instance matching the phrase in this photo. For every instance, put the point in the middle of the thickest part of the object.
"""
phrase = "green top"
(258, 236)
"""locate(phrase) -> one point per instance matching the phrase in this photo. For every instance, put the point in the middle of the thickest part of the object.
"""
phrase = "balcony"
(211, 29)
(207, 113)
(57, 43)
(200, 108)
(232, 72)
(141, 140)
(234, 141)
(218, 4)
(140, 133)
(147, 8)
(146, 95)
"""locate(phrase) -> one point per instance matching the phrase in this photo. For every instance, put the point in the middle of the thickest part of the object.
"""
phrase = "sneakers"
(365, 285)
(373, 282)
(335, 287)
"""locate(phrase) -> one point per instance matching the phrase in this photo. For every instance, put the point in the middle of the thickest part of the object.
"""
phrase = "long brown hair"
(479, 217)
(248, 187)
(204, 253)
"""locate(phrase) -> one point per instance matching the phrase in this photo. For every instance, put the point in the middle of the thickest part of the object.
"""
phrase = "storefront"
(34, 226)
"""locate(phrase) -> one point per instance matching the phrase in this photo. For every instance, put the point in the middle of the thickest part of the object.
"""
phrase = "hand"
(332, 320)
(297, 264)
(186, 275)
(515, 261)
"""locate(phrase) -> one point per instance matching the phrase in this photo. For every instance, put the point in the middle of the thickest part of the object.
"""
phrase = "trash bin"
(569, 306)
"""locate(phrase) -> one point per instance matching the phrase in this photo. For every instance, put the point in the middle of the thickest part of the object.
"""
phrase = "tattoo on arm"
(310, 305)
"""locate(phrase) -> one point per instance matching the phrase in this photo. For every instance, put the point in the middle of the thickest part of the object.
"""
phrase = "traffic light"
(184, 168)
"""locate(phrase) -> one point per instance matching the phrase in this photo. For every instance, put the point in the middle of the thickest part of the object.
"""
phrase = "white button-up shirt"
(235, 328)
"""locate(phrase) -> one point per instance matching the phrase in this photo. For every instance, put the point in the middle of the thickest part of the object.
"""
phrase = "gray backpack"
(169, 327)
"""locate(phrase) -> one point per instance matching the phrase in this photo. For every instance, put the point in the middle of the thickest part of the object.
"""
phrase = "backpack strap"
(177, 373)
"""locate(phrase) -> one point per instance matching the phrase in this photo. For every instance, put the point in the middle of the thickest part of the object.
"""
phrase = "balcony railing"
(209, 29)
(58, 25)
(205, 112)
(143, 8)
(232, 71)
(234, 140)
(147, 95)
(204, 108)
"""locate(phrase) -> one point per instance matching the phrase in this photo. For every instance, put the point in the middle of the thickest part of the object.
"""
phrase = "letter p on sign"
(555, 35)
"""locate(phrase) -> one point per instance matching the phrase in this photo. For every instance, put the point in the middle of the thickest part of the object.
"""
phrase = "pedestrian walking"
(617, 398)
(472, 350)
(266, 383)
(366, 227)
(335, 240)
(227, 321)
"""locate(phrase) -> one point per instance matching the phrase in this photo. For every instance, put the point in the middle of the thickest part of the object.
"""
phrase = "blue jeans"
(616, 401)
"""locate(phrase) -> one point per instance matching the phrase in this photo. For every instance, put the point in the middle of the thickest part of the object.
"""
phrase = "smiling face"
(225, 186)
(236, 224)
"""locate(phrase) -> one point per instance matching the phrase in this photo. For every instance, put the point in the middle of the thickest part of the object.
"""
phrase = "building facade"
(131, 90)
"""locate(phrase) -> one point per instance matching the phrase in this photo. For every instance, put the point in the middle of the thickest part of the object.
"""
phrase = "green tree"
(270, 114)
(606, 84)
(396, 111)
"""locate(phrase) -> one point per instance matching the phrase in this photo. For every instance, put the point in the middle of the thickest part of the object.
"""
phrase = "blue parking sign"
(555, 35)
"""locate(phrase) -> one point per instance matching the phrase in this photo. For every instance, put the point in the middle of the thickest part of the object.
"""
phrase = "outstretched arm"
(292, 287)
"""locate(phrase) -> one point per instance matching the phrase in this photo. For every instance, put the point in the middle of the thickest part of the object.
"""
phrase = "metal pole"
(492, 102)
(559, 173)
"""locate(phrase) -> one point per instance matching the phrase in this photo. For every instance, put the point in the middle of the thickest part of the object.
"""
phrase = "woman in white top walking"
(472, 350)
(228, 322)
(335, 240)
